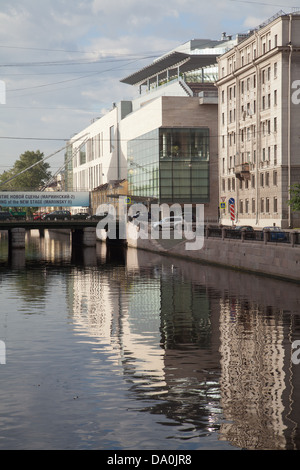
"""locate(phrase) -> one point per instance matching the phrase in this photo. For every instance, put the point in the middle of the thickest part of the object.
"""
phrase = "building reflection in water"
(210, 359)
(207, 350)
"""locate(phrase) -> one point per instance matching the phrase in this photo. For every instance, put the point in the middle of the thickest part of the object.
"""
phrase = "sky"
(61, 61)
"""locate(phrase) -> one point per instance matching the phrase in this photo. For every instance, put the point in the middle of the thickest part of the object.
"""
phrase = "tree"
(30, 180)
(294, 201)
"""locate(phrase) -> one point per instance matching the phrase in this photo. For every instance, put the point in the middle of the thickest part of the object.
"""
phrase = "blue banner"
(44, 199)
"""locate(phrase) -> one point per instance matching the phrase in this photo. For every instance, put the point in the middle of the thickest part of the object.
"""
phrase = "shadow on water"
(205, 354)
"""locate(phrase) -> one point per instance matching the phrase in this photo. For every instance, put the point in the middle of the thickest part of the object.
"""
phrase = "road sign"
(222, 205)
(231, 201)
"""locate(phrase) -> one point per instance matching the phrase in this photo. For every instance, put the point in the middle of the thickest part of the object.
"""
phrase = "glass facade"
(170, 164)
(143, 165)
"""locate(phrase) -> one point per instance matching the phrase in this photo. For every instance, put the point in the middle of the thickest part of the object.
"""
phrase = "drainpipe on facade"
(258, 134)
(289, 117)
(238, 144)
(118, 142)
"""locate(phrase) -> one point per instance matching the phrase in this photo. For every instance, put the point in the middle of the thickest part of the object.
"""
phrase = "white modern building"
(93, 155)
(164, 141)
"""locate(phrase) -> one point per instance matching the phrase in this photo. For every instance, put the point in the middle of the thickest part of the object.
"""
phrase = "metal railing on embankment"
(289, 237)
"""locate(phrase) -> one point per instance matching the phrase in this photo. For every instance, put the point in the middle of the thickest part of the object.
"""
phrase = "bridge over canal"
(83, 231)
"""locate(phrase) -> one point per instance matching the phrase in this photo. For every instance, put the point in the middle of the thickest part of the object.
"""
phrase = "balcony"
(242, 172)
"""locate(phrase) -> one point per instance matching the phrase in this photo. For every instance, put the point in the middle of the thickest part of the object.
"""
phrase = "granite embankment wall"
(276, 259)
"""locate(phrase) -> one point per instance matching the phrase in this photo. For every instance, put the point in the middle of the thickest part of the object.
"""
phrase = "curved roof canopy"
(177, 61)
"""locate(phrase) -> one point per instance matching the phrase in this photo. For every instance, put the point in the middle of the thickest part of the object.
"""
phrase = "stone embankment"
(259, 253)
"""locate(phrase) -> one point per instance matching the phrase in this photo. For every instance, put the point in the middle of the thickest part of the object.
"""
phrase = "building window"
(262, 205)
(233, 184)
(267, 205)
(253, 206)
(275, 97)
(262, 180)
(111, 138)
(82, 155)
(275, 207)
(241, 207)
(275, 178)
(253, 181)
(247, 206)
(275, 154)
(275, 124)
(275, 70)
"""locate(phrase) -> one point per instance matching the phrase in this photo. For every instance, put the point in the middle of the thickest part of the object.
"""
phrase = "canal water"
(119, 349)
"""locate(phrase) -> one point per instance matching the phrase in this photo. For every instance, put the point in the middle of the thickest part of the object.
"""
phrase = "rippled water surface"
(123, 349)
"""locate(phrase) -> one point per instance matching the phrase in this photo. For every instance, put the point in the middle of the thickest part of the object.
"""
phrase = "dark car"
(5, 215)
(249, 231)
(80, 216)
(99, 216)
(247, 228)
(57, 215)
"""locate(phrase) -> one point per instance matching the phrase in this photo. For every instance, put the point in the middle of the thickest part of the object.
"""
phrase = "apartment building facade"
(258, 125)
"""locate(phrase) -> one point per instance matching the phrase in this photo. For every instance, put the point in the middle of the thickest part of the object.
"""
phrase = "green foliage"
(294, 201)
(31, 180)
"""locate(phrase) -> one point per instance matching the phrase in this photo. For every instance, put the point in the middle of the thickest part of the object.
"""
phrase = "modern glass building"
(171, 165)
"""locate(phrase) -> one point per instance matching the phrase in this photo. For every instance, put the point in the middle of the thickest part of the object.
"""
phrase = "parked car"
(80, 216)
(5, 215)
(169, 223)
(276, 233)
(247, 228)
(100, 216)
(57, 215)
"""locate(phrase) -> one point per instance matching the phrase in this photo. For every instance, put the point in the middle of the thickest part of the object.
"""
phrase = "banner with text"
(44, 199)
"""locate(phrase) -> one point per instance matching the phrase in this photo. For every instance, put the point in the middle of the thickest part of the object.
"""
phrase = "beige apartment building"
(259, 125)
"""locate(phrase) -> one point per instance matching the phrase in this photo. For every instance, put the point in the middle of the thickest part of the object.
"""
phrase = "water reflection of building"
(159, 329)
(253, 378)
